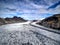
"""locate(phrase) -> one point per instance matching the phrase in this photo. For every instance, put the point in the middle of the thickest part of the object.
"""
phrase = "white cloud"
(28, 9)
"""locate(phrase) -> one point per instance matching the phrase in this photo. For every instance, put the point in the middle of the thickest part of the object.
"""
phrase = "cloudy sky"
(29, 9)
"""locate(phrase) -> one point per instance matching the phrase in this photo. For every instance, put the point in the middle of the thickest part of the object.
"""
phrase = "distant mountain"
(51, 22)
(15, 19)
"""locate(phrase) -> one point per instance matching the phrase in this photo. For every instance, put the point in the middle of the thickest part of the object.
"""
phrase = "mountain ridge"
(8, 20)
(51, 22)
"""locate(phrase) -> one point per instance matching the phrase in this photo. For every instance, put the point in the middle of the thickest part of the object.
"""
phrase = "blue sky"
(29, 9)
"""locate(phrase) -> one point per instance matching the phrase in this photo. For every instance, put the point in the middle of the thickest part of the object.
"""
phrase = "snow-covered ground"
(22, 33)
(54, 34)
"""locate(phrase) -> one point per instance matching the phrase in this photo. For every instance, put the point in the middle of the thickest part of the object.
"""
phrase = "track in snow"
(23, 34)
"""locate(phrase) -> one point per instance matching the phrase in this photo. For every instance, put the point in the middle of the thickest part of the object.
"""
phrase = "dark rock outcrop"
(51, 22)
(15, 19)
(2, 21)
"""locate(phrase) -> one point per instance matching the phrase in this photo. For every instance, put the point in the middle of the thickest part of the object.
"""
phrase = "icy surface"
(23, 34)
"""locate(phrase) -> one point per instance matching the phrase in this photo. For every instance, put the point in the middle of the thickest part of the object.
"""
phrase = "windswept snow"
(21, 34)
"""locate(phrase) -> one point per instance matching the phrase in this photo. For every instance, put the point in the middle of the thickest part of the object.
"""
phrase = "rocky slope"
(2, 21)
(7, 20)
(51, 22)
